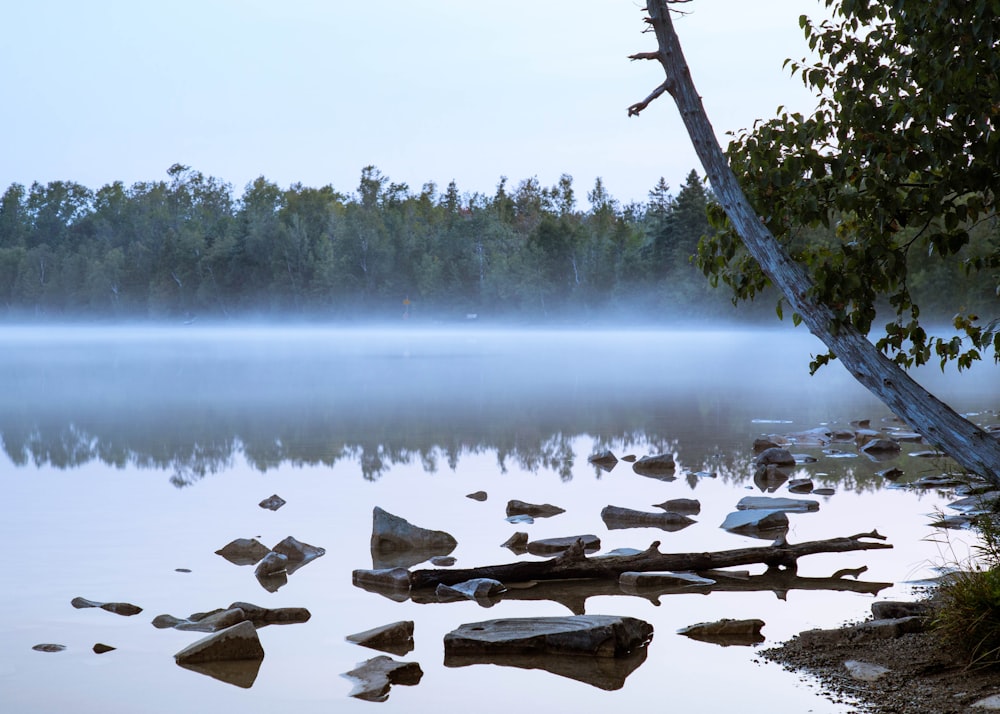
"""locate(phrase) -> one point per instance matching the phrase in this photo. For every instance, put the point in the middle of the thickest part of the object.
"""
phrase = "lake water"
(131, 454)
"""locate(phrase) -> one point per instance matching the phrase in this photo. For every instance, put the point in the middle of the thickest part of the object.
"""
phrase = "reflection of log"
(573, 594)
(575, 564)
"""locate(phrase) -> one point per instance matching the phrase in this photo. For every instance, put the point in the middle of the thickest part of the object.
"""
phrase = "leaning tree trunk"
(972, 447)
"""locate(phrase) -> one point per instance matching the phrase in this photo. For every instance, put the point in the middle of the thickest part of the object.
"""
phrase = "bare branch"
(633, 111)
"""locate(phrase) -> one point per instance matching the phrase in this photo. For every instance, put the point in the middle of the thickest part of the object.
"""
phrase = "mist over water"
(131, 451)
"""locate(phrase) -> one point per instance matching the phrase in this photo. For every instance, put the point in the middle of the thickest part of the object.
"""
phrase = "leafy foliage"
(898, 167)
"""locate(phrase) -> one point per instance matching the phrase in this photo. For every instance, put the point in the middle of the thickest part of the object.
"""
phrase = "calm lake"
(131, 454)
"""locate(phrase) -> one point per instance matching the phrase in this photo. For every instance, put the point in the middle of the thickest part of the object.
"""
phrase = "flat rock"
(244, 551)
(866, 631)
(726, 632)
(595, 635)
(791, 505)
(684, 506)
(234, 643)
(755, 520)
(894, 609)
(48, 647)
(119, 608)
(532, 510)
(395, 638)
(272, 502)
(374, 677)
(551, 546)
(617, 518)
(865, 671)
(392, 583)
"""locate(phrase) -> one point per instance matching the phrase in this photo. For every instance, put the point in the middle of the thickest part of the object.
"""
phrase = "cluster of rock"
(274, 565)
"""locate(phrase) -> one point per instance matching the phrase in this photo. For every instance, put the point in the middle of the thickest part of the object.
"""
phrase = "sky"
(312, 91)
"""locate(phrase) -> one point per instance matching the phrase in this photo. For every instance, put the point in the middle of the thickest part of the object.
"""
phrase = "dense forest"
(188, 247)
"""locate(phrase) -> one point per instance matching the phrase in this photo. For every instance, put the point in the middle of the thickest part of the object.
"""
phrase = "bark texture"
(972, 447)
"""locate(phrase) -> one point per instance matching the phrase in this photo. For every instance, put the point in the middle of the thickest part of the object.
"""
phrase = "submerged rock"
(233, 643)
(244, 551)
(604, 460)
(756, 522)
(617, 518)
(595, 635)
(375, 677)
(48, 647)
(726, 632)
(395, 638)
(119, 608)
(273, 502)
(532, 510)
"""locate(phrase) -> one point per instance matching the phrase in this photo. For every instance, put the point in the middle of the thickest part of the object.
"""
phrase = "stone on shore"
(375, 677)
(865, 671)
(119, 608)
(233, 643)
(594, 635)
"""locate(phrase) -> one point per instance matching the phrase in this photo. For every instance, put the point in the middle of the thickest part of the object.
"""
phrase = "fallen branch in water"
(575, 563)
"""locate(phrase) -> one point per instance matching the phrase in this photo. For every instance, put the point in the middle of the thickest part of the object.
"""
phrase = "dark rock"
(927, 454)
(800, 485)
(237, 672)
(517, 542)
(763, 444)
(395, 638)
(825, 491)
(551, 546)
(272, 503)
(393, 583)
(396, 541)
(758, 523)
(182, 570)
(474, 589)
(726, 632)
(271, 564)
(297, 552)
(617, 518)
(213, 621)
(244, 551)
(375, 677)
(443, 561)
(272, 582)
(234, 643)
(892, 473)
(47, 647)
(102, 648)
(604, 460)
(533, 510)
(769, 478)
(864, 632)
(118, 608)
(596, 635)
(477, 496)
(893, 609)
(660, 466)
(263, 616)
(775, 456)
(684, 506)
(629, 458)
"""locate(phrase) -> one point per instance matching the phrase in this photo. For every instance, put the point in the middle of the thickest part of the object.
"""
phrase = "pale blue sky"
(313, 90)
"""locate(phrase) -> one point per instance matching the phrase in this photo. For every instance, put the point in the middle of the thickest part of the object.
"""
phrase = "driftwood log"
(574, 563)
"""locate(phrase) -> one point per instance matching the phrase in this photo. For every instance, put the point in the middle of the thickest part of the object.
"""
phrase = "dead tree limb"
(972, 447)
(574, 563)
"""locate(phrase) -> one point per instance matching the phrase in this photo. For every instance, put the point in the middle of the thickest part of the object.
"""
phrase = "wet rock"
(755, 521)
(234, 643)
(477, 496)
(375, 677)
(517, 542)
(474, 589)
(394, 583)
(881, 448)
(119, 608)
(638, 580)
(684, 506)
(297, 552)
(819, 436)
(48, 647)
(272, 503)
(263, 616)
(775, 456)
(100, 648)
(412, 544)
(443, 561)
(237, 672)
(791, 505)
(865, 671)
(659, 466)
(617, 518)
(395, 638)
(271, 564)
(213, 621)
(726, 632)
(551, 546)
(604, 460)
(800, 485)
(595, 635)
(244, 551)
(533, 510)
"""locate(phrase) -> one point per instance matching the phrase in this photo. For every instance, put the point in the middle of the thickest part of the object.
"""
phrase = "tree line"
(187, 246)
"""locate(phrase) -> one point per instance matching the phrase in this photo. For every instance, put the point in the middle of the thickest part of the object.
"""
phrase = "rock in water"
(533, 510)
(391, 533)
(726, 632)
(659, 466)
(272, 503)
(374, 677)
(596, 635)
(119, 608)
(396, 637)
(233, 643)
(243, 551)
